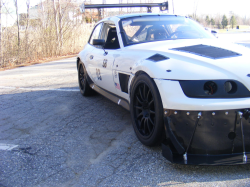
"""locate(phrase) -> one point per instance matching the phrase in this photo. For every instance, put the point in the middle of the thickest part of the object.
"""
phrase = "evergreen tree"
(207, 20)
(224, 21)
(219, 26)
(212, 22)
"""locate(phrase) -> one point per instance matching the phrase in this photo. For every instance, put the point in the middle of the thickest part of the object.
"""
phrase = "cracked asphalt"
(65, 139)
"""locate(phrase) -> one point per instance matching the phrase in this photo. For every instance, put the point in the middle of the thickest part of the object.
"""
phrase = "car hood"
(182, 65)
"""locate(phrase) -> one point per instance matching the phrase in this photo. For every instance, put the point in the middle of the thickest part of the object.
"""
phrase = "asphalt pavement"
(50, 135)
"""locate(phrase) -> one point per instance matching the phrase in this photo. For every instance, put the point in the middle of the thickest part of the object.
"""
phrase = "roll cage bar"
(163, 6)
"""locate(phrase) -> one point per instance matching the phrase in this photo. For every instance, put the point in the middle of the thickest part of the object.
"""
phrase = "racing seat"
(156, 33)
(112, 40)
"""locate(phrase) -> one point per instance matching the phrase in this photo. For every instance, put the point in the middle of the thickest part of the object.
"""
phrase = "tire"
(82, 80)
(146, 111)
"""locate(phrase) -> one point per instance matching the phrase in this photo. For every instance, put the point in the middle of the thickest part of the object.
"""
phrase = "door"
(92, 51)
(102, 58)
(102, 69)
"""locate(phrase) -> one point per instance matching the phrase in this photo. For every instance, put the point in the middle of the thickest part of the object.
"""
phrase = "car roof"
(141, 14)
(135, 15)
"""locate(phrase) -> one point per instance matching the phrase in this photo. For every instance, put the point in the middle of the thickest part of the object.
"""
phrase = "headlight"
(214, 89)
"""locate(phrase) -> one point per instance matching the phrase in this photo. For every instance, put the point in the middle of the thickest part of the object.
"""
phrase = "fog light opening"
(210, 87)
(232, 135)
(230, 87)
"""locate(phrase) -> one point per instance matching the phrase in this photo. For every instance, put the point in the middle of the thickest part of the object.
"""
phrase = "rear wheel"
(146, 111)
(82, 80)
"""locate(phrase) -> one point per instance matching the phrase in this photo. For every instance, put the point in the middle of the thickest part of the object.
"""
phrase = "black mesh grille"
(208, 51)
(124, 78)
(157, 57)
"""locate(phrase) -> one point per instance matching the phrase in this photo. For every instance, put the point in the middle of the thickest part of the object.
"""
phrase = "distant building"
(244, 27)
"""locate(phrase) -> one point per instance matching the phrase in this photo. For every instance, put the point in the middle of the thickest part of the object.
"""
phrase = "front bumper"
(213, 138)
(173, 97)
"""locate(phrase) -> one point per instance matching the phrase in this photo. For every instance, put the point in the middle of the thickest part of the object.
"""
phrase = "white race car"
(183, 87)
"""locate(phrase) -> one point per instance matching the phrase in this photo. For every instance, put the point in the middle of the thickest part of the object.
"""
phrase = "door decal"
(117, 86)
(105, 61)
(115, 74)
(98, 74)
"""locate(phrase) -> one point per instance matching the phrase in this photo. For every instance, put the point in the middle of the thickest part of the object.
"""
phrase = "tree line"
(222, 22)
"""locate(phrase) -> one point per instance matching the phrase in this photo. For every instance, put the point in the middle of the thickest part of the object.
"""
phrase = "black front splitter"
(192, 159)
(207, 137)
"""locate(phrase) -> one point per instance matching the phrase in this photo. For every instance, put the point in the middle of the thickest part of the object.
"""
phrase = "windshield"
(157, 28)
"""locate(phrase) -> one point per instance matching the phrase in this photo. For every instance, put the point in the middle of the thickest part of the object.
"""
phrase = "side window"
(109, 34)
(95, 33)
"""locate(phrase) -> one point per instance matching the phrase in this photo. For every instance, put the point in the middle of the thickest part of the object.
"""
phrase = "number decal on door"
(98, 74)
(105, 61)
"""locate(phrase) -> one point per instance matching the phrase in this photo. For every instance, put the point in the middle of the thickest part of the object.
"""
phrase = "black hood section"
(208, 51)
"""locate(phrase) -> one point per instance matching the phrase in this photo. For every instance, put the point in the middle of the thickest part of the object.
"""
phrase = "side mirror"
(214, 33)
(99, 42)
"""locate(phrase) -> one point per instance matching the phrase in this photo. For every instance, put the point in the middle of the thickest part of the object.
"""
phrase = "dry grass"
(38, 44)
(40, 61)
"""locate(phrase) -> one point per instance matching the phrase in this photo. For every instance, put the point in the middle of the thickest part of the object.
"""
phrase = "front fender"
(146, 67)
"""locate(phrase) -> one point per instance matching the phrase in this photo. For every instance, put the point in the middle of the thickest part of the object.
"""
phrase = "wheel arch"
(133, 80)
(78, 62)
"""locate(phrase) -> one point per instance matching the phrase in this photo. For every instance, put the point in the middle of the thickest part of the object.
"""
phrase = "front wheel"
(82, 80)
(146, 111)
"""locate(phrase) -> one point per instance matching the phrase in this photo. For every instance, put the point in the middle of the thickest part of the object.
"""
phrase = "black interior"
(112, 40)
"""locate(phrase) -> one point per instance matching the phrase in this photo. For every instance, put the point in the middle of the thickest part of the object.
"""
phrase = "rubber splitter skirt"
(207, 137)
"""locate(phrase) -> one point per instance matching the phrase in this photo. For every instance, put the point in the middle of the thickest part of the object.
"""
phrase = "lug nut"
(188, 113)
(175, 112)
(213, 113)
(226, 113)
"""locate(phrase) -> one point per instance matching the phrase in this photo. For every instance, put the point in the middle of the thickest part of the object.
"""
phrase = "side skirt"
(115, 98)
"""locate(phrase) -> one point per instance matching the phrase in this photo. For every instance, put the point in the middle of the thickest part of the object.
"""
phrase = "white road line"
(40, 89)
(7, 147)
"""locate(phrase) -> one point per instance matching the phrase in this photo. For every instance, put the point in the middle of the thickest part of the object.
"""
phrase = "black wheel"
(146, 111)
(82, 80)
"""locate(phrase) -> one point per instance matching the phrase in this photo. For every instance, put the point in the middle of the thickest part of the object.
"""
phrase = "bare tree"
(42, 13)
(60, 17)
(1, 54)
(27, 26)
(55, 20)
(18, 28)
(28, 13)
(40, 39)
(196, 2)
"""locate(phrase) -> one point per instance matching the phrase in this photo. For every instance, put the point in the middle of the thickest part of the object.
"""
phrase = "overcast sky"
(181, 7)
